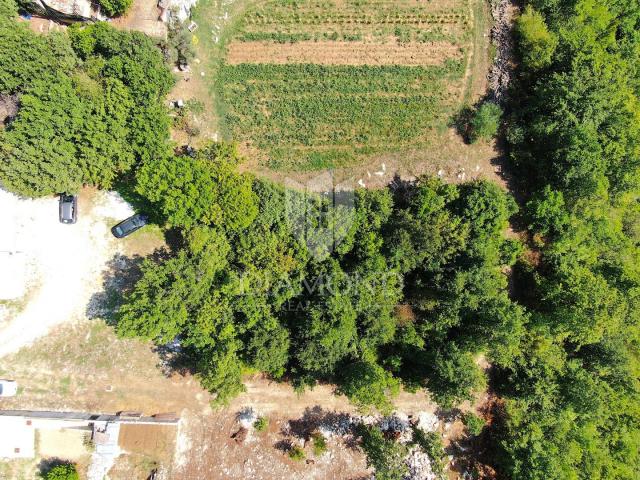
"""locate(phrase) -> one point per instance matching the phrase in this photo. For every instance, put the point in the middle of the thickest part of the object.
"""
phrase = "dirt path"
(58, 266)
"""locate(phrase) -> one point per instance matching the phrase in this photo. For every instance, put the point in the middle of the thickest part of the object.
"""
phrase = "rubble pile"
(419, 465)
(502, 37)
(247, 417)
(397, 426)
(427, 421)
(337, 425)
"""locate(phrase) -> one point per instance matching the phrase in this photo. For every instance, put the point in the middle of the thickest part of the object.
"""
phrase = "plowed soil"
(343, 53)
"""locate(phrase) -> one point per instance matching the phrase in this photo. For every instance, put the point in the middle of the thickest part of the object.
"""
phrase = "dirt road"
(50, 270)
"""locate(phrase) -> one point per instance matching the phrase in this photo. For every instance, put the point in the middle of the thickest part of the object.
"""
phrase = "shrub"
(485, 122)
(62, 472)
(261, 424)
(114, 8)
(179, 48)
(296, 453)
(431, 444)
(319, 444)
(369, 385)
(474, 423)
(385, 455)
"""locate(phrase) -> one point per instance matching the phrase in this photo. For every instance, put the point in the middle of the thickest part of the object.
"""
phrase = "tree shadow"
(284, 445)
(317, 420)
(47, 464)
(175, 360)
(118, 278)
(461, 122)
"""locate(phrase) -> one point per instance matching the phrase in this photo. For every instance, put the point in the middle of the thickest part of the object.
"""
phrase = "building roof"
(17, 438)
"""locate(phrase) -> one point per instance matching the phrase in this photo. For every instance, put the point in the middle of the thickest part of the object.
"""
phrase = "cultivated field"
(309, 85)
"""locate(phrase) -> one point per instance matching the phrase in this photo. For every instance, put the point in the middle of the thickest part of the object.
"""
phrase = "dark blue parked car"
(130, 225)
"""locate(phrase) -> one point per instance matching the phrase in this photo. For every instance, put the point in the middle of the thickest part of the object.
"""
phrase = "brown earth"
(214, 455)
(143, 16)
(342, 53)
(158, 440)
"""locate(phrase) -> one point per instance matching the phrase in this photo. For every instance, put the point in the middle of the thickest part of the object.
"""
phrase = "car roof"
(67, 210)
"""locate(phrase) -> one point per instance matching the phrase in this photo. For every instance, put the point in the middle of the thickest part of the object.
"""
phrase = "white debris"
(419, 465)
(361, 183)
(399, 424)
(502, 37)
(183, 443)
(337, 425)
(179, 10)
(440, 173)
(427, 421)
(247, 417)
(368, 174)
(380, 173)
(384, 167)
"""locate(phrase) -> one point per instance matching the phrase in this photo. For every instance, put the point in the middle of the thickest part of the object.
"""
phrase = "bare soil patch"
(343, 53)
(143, 16)
(61, 265)
(87, 368)
(153, 440)
(215, 455)
(67, 443)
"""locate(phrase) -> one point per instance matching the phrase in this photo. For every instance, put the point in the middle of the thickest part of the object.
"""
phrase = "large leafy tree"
(90, 106)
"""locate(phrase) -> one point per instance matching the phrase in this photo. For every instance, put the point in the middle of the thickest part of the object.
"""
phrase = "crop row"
(317, 19)
(302, 113)
(403, 34)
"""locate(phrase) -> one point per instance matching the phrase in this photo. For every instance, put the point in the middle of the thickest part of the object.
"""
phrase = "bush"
(62, 472)
(261, 424)
(537, 44)
(485, 122)
(296, 453)
(431, 444)
(114, 8)
(474, 423)
(386, 456)
(179, 48)
(368, 384)
(319, 444)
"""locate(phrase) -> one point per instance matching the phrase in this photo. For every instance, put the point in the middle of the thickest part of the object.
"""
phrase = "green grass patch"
(353, 21)
(311, 117)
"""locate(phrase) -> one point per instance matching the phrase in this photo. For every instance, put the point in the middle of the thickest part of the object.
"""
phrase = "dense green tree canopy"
(89, 106)
(572, 392)
(267, 300)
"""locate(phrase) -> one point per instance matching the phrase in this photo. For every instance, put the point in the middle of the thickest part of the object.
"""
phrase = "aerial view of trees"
(572, 404)
(247, 293)
(423, 284)
(90, 106)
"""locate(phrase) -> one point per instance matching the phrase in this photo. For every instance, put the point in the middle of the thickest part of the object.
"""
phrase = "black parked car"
(68, 208)
(130, 225)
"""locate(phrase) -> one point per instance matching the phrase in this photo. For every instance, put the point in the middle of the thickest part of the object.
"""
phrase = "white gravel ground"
(50, 270)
